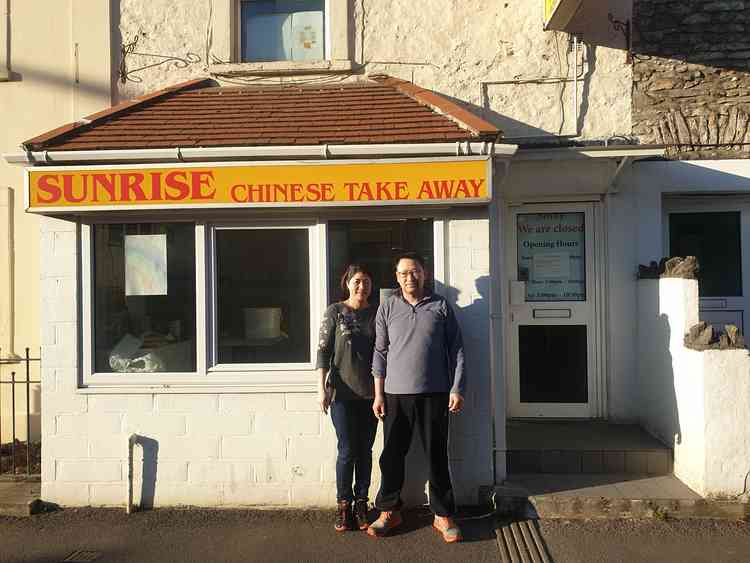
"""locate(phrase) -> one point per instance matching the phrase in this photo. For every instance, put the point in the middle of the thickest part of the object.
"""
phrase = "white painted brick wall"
(193, 447)
(221, 472)
(107, 494)
(166, 471)
(258, 446)
(147, 424)
(228, 449)
(471, 431)
(88, 471)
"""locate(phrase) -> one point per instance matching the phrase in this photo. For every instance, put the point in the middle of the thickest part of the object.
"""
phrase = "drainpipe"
(4, 35)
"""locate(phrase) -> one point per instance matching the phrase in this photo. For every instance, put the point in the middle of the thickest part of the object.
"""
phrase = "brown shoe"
(343, 516)
(387, 521)
(447, 528)
(360, 514)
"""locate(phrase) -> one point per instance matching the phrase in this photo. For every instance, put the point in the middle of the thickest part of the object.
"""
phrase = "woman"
(345, 385)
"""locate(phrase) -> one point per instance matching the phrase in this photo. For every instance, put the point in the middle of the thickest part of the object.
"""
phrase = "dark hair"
(351, 271)
(418, 258)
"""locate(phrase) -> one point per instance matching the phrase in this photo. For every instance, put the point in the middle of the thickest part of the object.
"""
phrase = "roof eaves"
(441, 105)
(86, 122)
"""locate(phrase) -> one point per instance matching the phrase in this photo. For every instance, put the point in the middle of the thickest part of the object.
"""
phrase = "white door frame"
(592, 311)
(717, 204)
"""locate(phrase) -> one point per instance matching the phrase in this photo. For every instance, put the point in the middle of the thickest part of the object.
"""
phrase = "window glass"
(714, 239)
(144, 297)
(282, 30)
(376, 244)
(553, 363)
(263, 295)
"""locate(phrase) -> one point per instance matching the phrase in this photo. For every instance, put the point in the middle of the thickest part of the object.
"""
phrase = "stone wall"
(691, 85)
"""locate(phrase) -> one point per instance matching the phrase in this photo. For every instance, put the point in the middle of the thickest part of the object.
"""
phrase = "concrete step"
(584, 447)
(630, 462)
(20, 499)
(583, 496)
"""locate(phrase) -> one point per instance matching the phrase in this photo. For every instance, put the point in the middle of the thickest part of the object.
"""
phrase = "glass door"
(553, 336)
(375, 244)
(714, 230)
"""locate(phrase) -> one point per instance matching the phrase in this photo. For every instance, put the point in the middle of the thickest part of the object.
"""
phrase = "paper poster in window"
(145, 265)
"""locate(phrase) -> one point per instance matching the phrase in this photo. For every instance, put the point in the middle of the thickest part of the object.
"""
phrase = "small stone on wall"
(703, 337)
(676, 267)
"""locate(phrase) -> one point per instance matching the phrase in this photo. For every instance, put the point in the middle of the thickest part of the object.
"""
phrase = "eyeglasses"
(409, 273)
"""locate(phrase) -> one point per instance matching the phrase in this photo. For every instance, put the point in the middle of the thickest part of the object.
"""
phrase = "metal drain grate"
(521, 542)
(82, 557)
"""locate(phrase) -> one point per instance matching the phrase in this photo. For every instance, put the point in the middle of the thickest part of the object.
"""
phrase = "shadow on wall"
(145, 473)
(514, 130)
(659, 411)
(469, 457)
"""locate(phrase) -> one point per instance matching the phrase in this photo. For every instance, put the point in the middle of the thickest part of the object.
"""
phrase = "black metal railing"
(18, 457)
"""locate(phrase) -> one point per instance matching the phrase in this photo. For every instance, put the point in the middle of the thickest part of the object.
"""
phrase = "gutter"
(325, 152)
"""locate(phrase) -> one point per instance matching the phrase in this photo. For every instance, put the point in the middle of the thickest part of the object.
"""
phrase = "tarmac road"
(652, 541)
(193, 535)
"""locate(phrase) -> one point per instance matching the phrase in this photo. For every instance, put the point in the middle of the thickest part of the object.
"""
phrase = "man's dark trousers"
(428, 414)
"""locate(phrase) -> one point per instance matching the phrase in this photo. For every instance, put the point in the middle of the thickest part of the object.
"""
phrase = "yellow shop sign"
(559, 13)
(549, 8)
(60, 189)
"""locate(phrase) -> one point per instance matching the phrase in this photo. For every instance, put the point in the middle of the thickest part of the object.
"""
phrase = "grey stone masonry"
(691, 79)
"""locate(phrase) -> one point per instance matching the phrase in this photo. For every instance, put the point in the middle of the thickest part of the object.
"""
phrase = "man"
(418, 366)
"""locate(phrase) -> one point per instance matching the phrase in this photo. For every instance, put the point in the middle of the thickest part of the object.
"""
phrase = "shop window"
(144, 298)
(282, 30)
(263, 296)
(714, 239)
(376, 244)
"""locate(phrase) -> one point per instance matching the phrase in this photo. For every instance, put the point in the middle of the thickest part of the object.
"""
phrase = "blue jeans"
(355, 425)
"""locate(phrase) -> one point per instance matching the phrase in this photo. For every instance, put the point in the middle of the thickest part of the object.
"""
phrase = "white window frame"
(206, 377)
(327, 37)
(313, 232)
(230, 378)
(91, 378)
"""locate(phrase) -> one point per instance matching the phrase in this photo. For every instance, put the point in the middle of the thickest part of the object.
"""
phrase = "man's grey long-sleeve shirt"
(418, 348)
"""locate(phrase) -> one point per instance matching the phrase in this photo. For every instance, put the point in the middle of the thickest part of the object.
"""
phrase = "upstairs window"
(282, 30)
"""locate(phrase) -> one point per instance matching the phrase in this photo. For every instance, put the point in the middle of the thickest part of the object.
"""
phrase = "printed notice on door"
(552, 256)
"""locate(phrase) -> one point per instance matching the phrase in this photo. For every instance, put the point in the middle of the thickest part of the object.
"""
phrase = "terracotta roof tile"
(199, 113)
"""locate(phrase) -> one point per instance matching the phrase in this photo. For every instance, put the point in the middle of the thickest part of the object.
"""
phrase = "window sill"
(4, 76)
(198, 389)
(280, 68)
(291, 381)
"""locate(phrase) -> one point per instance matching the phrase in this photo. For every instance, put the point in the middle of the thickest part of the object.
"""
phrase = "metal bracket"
(623, 27)
(128, 50)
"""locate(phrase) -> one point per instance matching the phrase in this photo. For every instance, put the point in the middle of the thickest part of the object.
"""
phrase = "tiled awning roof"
(200, 113)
